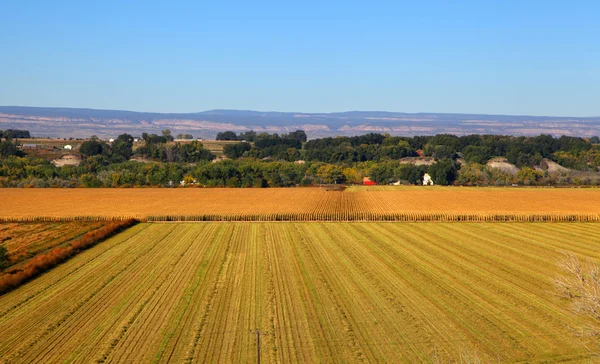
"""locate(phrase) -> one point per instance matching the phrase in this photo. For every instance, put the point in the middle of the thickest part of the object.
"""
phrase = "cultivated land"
(300, 203)
(24, 241)
(335, 292)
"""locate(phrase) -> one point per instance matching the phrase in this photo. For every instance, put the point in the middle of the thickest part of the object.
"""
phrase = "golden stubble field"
(325, 292)
(140, 203)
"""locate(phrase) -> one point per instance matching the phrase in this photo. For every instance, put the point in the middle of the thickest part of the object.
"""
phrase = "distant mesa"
(82, 123)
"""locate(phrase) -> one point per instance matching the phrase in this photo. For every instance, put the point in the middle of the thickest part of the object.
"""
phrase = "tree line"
(272, 160)
(14, 134)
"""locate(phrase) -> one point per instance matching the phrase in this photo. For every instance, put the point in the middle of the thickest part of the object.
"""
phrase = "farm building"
(30, 146)
(68, 147)
(427, 181)
(367, 182)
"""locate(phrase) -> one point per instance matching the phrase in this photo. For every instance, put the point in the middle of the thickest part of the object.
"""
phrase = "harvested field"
(25, 240)
(306, 204)
(325, 292)
(34, 248)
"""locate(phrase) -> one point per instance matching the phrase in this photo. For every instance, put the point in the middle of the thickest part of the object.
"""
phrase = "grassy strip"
(43, 262)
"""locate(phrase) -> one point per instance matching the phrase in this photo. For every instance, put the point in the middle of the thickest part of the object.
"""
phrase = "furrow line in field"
(271, 300)
(231, 306)
(461, 291)
(186, 310)
(66, 272)
(321, 326)
(207, 265)
(210, 300)
(549, 238)
(535, 307)
(211, 340)
(151, 281)
(431, 294)
(283, 296)
(110, 297)
(386, 282)
(49, 330)
(170, 273)
(505, 259)
(295, 288)
(34, 322)
(342, 313)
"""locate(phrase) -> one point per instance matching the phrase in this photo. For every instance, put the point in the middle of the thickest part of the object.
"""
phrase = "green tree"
(476, 154)
(90, 180)
(410, 173)
(122, 148)
(299, 135)
(443, 172)
(227, 135)
(194, 152)
(167, 135)
(93, 147)
(331, 173)
(236, 150)
(8, 148)
(529, 176)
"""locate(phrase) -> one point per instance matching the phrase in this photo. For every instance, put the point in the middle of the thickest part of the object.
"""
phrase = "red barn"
(367, 182)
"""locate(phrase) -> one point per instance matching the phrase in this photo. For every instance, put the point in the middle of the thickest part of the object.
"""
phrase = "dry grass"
(299, 204)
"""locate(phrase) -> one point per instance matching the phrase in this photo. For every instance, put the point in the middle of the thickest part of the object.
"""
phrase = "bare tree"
(580, 285)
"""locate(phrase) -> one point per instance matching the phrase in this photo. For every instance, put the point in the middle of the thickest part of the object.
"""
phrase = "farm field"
(25, 240)
(325, 292)
(302, 203)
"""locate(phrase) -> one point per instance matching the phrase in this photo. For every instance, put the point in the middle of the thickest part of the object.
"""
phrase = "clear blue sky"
(509, 57)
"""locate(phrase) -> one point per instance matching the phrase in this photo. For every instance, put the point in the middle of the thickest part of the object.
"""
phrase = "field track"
(305, 204)
(341, 292)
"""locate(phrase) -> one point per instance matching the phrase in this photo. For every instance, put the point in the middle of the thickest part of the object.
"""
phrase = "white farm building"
(427, 181)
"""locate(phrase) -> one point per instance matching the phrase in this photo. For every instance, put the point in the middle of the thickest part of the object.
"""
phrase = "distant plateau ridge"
(70, 122)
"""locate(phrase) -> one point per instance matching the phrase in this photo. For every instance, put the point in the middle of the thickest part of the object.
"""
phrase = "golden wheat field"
(298, 203)
(325, 292)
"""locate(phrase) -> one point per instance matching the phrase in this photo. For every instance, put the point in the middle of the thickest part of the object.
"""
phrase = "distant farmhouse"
(30, 146)
(427, 181)
(367, 182)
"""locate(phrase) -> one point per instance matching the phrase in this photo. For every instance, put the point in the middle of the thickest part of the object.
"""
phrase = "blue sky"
(507, 57)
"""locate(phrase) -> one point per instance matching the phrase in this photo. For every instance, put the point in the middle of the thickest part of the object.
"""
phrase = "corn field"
(301, 204)
(379, 217)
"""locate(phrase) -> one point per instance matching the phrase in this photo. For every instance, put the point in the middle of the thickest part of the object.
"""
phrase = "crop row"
(328, 216)
(371, 216)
